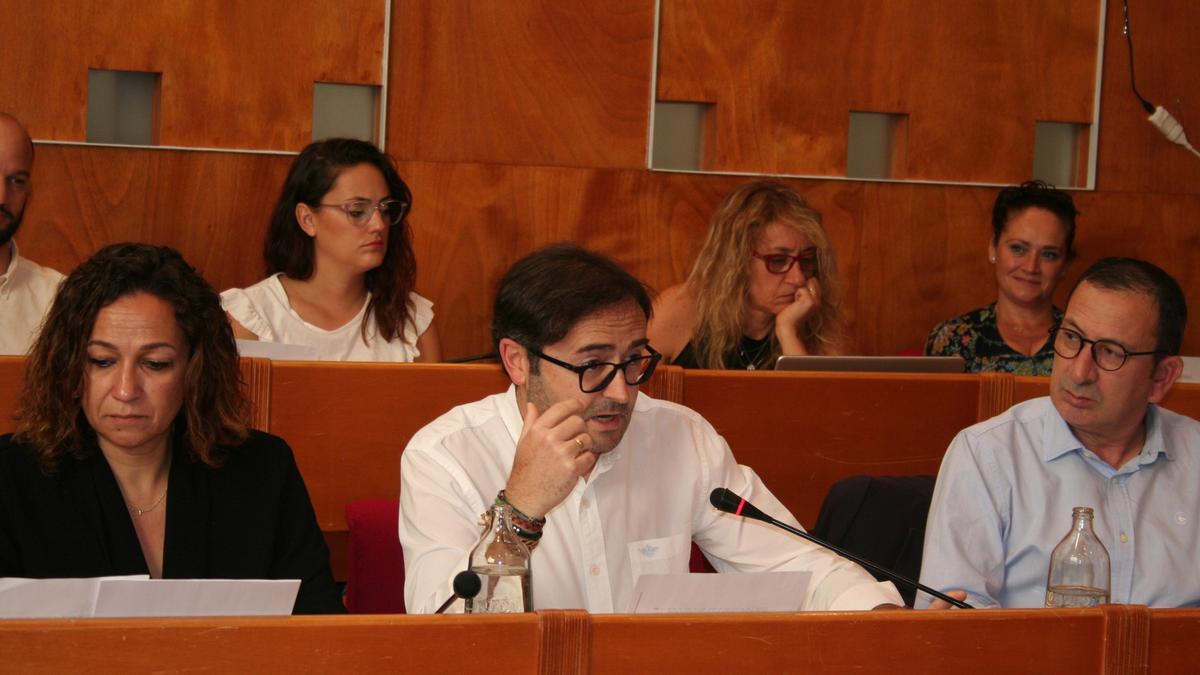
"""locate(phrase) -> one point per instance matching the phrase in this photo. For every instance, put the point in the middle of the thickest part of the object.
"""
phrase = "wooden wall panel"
(472, 221)
(211, 206)
(783, 77)
(910, 255)
(521, 81)
(1134, 156)
(235, 74)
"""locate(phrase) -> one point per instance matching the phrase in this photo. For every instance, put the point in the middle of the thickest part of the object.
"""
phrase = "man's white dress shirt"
(26, 291)
(636, 513)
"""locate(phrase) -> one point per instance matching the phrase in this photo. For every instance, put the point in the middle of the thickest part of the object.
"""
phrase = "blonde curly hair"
(720, 276)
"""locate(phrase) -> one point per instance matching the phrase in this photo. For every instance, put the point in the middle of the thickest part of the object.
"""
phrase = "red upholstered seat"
(374, 561)
(699, 563)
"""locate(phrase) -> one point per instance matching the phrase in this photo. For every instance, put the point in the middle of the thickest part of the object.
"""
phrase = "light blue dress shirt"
(1004, 497)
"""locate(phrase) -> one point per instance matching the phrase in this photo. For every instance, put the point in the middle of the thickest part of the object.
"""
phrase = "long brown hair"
(289, 250)
(50, 410)
(720, 276)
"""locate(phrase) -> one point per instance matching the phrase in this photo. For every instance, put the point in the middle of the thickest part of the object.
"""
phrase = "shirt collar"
(13, 263)
(512, 415)
(1060, 440)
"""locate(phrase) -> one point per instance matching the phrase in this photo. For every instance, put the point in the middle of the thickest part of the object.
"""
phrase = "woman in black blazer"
(132, 454)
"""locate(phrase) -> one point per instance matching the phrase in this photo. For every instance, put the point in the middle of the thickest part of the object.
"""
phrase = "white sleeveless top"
(264, 310)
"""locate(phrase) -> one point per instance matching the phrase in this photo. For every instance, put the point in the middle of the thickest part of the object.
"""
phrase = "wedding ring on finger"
(579, 443)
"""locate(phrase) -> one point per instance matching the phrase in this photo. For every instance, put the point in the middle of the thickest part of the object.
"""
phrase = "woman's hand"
(790, 321)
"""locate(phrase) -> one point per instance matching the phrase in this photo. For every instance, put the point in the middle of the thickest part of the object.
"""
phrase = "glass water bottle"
(501, 560)
(1079, 566)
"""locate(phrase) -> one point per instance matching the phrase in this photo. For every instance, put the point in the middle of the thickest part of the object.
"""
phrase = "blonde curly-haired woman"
(764, 285)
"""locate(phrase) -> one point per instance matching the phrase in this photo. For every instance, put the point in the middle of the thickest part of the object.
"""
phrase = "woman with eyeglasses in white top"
(764, 285)
(340, 263)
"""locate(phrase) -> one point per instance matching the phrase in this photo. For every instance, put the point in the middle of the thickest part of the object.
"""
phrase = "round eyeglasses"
(1107, 354)
(360, 211)
(782, 263)
(594, 377)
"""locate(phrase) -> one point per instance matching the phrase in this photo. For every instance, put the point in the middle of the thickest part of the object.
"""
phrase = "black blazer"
(249, 519)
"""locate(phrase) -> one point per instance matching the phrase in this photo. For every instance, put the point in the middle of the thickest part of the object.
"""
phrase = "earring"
(992, 259)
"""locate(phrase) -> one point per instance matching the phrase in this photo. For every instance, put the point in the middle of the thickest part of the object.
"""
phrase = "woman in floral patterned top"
(1033, 233)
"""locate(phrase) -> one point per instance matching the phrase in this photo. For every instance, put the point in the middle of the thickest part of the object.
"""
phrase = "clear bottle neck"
(1082, 516)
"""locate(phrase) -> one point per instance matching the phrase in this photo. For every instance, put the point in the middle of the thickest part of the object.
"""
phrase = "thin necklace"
(140, 512)
(750, 362)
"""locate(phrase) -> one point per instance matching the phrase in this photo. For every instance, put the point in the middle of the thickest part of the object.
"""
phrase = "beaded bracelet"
(520, 519)
(528, 529)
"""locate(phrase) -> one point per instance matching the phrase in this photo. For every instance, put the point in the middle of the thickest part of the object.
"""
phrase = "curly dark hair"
(289, 250)
(49, 409)
(1016, 198)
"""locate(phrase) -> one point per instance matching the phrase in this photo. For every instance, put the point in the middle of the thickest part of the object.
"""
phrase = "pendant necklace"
(140, 512)
(749, 362)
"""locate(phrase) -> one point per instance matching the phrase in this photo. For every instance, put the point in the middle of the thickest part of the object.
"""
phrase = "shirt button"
(1115, 480)
(585, 504)
(1124, 538)
(595, 570)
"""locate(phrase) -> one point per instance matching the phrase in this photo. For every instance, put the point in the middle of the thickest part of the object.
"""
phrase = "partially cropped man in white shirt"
(621, 480)
(26, 288)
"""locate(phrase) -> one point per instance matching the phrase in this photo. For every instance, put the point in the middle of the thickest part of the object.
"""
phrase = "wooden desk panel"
(802, 432)
(1174, 647)
(886, 643)
(1111, 640)
(349, 422)
(353, 644)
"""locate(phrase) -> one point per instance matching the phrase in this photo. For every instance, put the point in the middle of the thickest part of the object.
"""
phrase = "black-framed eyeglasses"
(1107, 354)
(594, 377)
(782, 263)
(360, 211)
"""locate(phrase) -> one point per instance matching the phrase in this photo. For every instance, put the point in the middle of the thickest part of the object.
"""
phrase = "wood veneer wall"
(972, 77)
(522, 123)
(234, 74)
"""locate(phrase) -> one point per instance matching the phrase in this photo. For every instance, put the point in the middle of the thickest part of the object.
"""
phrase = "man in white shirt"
(26, 288)
(1007, 486)
(606, 485)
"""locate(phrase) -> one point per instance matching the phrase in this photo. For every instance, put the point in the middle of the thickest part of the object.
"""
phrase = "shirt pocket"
(664, 555)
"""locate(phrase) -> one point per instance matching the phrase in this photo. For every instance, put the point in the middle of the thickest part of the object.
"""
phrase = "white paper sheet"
(142, 596)
(196, 597)
(276, 351)
(47, 599)
(765, 592)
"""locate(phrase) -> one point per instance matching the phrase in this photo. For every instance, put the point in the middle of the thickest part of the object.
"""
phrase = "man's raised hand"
(554, 450)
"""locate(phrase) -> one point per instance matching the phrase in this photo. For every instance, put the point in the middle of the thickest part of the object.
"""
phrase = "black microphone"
(728, 501)
(466, 586)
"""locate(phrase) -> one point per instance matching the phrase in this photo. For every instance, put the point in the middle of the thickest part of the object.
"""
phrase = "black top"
(975, 337)
(249, 519)
(751, 354)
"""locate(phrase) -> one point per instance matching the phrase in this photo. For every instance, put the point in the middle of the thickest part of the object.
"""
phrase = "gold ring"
(579, 443)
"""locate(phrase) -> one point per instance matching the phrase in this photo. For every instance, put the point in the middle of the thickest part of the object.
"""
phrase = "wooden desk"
(802, 432)
(349, 422)
(1110, 640)
(1175, 643)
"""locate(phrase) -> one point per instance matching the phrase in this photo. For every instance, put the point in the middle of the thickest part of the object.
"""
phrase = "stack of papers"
(143, 596)
(687, 593)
